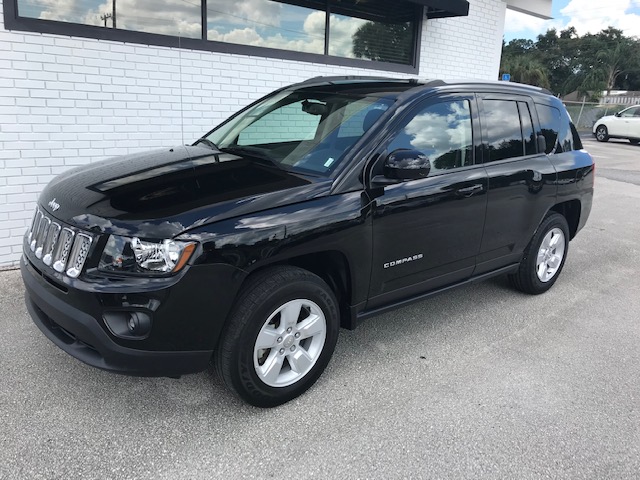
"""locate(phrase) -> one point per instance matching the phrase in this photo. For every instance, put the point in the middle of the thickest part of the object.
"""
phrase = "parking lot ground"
(480, 382)
(616, 159)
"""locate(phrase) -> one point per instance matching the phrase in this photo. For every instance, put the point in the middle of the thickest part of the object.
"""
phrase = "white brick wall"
(465, 47)
(71, 101)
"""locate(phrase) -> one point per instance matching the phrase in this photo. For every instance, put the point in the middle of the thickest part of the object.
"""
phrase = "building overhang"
(537, 8)
(444, 8)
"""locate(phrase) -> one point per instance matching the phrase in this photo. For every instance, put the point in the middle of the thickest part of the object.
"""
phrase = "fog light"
(131, 325)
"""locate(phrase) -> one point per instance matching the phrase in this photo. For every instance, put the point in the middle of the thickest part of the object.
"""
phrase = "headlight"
(132, 255)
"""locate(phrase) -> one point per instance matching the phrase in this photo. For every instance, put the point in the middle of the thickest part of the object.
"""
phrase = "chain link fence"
(585, 114)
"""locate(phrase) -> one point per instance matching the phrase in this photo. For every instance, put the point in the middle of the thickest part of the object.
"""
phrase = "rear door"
(522, 180)
(427, 232)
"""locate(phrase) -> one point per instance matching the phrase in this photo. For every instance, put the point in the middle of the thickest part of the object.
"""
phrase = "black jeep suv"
(319, 205)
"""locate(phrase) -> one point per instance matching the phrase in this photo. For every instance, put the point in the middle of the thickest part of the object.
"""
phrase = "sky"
(587, 16)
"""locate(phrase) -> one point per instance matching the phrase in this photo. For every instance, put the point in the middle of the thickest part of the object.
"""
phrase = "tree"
(384, 42)
(557, 54)
(589, 64)
(526, 70)
(614, 55)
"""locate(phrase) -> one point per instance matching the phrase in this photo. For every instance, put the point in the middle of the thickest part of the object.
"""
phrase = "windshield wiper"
(206, 142)
(253, 153)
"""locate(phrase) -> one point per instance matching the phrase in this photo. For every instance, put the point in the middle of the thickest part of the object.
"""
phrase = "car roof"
(403, 84)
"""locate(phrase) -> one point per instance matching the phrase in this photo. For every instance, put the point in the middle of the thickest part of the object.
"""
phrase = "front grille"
(59, 246)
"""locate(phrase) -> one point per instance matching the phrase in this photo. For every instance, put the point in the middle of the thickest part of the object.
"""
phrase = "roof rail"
(332, 80)
(523, 86)
(356, 78)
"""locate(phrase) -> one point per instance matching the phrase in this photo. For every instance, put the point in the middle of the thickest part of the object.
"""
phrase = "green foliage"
(526, 70)
(566, 62)
(384, 42)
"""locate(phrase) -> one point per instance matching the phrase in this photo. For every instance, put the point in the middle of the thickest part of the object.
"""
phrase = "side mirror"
(542, 144)
(405, 164)
(618, 114)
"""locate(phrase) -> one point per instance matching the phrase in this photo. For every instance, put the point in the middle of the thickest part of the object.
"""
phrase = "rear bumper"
(81, 335)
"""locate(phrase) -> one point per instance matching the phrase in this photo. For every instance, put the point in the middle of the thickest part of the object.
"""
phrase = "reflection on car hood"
(163, 193)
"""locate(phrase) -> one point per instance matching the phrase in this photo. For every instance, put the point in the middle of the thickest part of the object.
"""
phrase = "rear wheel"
(280, 336)
(602, 134)
(544, 256)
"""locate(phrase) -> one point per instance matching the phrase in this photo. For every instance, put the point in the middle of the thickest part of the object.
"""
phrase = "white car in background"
(624, 124)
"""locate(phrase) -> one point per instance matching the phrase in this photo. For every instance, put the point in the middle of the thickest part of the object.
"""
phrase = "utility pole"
(113, 15)
(105, 17)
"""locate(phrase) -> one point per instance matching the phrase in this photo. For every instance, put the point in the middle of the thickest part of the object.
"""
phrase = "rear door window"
(527, 129)
(502, 130)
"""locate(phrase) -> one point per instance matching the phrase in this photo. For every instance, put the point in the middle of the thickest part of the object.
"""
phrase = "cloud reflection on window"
(442, 132)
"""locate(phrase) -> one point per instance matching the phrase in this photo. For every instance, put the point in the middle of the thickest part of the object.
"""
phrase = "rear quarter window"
(557, 129)
(549, 126)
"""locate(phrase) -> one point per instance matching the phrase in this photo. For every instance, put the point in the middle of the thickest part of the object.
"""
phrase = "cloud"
(528, 25)
(168, 17)
(241, 12)
(310, 39)
(590, 17)
(342, 31)
(585, 15)
(437, 132)
(250, 36)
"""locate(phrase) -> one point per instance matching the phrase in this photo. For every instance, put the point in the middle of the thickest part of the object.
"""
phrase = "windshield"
(301, 130)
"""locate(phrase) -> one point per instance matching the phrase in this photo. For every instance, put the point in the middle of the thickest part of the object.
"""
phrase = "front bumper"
(180, 343)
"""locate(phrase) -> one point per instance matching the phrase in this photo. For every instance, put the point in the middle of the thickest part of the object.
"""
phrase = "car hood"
(163, 193)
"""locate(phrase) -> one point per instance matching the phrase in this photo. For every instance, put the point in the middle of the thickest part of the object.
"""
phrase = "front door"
(427, 232)
(630, 123)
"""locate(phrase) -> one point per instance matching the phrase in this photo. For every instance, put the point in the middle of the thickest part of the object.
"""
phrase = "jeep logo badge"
(54, 205)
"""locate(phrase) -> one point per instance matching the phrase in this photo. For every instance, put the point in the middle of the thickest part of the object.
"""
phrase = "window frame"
(512, 98)
(381, 151)
(538, 128)
(12, 21)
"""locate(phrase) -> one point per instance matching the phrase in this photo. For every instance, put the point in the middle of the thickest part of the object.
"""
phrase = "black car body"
(391, 215)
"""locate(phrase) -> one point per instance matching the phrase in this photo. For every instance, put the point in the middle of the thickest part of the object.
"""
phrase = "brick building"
(83, 80)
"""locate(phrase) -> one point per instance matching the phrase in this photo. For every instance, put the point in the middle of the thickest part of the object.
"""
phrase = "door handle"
(468, 191)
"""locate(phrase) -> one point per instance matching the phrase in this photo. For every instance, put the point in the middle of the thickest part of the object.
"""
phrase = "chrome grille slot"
(50, 242)
(61, 253)
(79, 254)
(34, 230)
(63, 248)
(43, 230)
(34, 224)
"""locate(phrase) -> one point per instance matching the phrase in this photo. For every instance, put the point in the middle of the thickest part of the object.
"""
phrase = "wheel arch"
(331, 266)
(571, 211)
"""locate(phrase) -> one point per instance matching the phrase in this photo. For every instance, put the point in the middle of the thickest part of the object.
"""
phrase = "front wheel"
(544, 256)
(280, 336)
(602, 134)
(634, 141)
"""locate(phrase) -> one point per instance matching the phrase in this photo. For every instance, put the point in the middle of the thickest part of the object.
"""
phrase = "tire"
(294, 315)
(602, 134)
(634, 141)
(544, 257)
